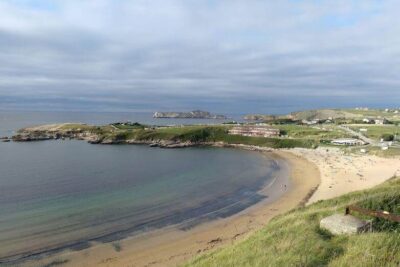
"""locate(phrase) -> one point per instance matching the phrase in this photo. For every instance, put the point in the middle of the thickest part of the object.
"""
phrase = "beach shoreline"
(170, 246)
(315, 175)
(343, 173)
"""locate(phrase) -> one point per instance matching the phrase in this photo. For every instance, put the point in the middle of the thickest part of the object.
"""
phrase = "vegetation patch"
(379, 131)
(117, 246)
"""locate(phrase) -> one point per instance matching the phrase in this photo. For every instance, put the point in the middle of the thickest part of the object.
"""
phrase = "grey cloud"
(221, 54)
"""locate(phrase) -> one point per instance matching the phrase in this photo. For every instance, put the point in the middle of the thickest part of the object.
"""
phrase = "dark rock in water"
(94, 141)
(5, 139)
(196, 114)
(154, 145)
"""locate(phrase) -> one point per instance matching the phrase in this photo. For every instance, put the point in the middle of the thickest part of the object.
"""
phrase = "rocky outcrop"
(196, 114)
(5, 139)
(42, 135)
(31, 137)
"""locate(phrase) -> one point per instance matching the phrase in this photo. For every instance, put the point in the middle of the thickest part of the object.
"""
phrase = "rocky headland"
(94, 135)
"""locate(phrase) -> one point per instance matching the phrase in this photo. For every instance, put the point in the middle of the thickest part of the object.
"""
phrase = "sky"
(224, 56)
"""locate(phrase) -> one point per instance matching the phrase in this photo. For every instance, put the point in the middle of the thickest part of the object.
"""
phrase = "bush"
(199, 135)
(388, 137)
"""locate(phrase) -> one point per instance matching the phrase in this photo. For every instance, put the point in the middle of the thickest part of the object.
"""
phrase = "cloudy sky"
(225, 56)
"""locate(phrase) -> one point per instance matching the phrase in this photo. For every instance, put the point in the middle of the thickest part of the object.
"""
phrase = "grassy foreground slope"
(295, 239)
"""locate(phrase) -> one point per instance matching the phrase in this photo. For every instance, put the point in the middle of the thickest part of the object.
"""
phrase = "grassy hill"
(295, 239)
(324, 114)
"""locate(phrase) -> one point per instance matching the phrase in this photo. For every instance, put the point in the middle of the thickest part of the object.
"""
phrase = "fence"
(380, 214)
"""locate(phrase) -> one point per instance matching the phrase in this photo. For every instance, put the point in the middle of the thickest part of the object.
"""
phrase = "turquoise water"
(63, 194)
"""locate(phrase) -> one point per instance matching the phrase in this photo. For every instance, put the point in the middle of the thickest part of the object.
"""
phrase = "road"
(359, 135)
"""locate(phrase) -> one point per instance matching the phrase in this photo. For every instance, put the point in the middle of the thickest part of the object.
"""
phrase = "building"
(348, 142)
(312, 122)
(255, 131)
(381, 121)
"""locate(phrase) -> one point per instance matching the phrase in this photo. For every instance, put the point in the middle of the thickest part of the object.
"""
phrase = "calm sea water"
(63, 194)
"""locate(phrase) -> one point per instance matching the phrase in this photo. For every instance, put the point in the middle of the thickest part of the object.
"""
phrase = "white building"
(255, 131)
(348, 142)
(312, 122)
(381, 121)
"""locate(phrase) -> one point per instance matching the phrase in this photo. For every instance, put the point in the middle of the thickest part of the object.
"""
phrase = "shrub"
(388, 137)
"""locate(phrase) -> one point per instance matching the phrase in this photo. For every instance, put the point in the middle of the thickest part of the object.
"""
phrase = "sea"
(65, 194)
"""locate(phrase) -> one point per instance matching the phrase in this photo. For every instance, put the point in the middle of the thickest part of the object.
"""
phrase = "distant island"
(196, 114)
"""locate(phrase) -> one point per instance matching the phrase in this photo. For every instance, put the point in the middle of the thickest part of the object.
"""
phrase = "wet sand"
(171, 246)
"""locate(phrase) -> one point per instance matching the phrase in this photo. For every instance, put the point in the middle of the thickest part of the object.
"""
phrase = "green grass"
(297, 135)
(372, 113)
(75, 127)
(220, 134)
(321, 132)
(376, 131)
(295, 239)
(129, 126)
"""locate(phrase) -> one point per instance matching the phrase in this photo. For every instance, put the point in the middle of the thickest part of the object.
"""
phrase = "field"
(377, 131)
(320, 132)
(220, 134)
(85, 127)
(374, 113)
(295, 239)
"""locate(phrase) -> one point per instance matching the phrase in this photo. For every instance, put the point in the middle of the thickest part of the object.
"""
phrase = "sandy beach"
(342, 173)
(171, 246)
